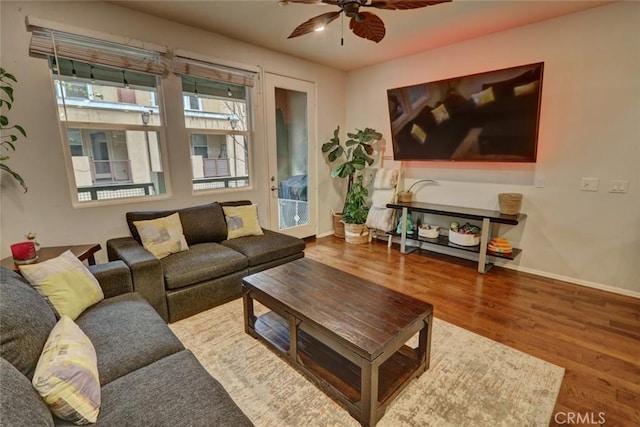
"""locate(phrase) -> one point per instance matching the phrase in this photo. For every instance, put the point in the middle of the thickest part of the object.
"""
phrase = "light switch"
(619, 186)
(589, 184)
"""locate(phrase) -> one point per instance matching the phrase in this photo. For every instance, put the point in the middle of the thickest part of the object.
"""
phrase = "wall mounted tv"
(491, 117)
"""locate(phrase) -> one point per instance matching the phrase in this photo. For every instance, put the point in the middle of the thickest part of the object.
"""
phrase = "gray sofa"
(209, 273)
(146, 375)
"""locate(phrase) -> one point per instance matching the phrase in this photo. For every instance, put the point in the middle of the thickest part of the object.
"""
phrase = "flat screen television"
(491, 116)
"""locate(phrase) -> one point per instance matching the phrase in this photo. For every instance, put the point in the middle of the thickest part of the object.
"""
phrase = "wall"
(589, 127)
(46, 209)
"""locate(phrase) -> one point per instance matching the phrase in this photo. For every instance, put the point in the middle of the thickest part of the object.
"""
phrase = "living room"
(588, 128)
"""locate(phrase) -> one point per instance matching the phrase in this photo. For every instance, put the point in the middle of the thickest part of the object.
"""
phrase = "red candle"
(23, 251)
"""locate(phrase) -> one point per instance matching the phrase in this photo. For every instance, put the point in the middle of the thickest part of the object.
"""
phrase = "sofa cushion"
(20, 403)
(268, 247)
(205, 261)
(127, 334)
(162, 236)
(242, 221)
(65, 282)
(67, 374)
(27, 320)
(174, 391)
(200, 224)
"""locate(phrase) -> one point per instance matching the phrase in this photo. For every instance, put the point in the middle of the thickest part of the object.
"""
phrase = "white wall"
(589, 127)
(46, 208)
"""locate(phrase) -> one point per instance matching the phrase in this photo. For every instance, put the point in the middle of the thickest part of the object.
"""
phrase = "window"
(106, 98)
(219, 132)
(114, 153)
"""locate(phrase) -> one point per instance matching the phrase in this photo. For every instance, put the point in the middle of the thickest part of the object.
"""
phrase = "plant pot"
(405, 196)
(338, 225)
(356, 233)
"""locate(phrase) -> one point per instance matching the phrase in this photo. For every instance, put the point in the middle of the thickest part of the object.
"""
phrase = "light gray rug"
(472, 381)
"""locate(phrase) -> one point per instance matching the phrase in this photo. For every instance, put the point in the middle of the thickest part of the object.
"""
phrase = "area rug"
(472, 381)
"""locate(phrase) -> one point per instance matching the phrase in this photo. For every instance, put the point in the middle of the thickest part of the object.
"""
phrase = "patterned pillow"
(162, 236)
(440, 113)
(67, 374)
(484, 97)
(65, 282)
(242, 221)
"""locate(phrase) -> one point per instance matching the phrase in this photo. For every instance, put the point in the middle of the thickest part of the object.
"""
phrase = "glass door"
(291, 146)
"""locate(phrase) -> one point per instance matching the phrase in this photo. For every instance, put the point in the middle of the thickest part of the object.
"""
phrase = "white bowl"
(429, 231)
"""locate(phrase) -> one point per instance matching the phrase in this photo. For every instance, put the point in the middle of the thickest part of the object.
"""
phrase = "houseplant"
(350, 158)
(9, 132)
(354, 214)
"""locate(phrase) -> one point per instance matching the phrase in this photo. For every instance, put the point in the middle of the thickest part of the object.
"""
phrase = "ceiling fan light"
(319, 28)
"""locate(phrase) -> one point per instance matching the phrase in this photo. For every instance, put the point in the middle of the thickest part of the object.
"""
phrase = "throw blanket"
(385, 179)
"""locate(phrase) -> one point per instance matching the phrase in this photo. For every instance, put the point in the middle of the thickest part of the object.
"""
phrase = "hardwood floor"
(594, 335)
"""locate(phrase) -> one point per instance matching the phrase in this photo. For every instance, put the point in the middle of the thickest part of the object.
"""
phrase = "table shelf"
(488, 218)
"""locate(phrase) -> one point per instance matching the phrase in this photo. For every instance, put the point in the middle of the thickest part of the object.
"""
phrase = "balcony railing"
(105, 171)
(215, 167)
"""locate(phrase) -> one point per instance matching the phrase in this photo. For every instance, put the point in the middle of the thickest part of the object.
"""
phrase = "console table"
(488, 218)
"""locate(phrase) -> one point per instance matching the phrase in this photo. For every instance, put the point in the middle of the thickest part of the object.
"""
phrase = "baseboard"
(505, 264)
(328, 233)
(573, 280)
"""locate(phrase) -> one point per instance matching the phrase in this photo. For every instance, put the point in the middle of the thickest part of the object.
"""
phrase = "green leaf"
(352, 135)
(351, 142)
(368, 149)
(358, 164)
(335, 154)
(13, 147)
(9, 76)
(4, 121)
(15, 175)
(21, 130)
(328, 146)
(336, 132)
(9, 91)
(14, 138)
(338, 171)
(348, 169)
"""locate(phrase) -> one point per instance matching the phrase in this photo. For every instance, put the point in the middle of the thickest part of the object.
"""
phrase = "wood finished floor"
(594, 335)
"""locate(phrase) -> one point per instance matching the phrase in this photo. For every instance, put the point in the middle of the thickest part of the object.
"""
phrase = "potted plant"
(9, 132)
(354, 214)
(350, 158)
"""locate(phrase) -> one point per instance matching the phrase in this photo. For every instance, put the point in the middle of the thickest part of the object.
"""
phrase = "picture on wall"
(491, 116)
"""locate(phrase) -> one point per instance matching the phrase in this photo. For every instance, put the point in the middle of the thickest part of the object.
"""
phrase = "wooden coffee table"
(345, 334)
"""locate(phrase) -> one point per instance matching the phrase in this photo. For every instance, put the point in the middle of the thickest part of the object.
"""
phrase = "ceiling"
(267, 23)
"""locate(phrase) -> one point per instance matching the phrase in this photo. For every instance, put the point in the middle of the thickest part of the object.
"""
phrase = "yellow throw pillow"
(66, 375)
(440, 113)
(162, 236)
(65, 282)
(484, 97)
(242, 221)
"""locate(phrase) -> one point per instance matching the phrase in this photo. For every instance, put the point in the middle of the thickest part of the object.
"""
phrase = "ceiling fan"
(363, 24)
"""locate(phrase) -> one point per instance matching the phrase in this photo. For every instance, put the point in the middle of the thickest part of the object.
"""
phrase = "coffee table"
(345, 334)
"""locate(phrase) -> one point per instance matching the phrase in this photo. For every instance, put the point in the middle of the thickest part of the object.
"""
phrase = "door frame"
(271, 81)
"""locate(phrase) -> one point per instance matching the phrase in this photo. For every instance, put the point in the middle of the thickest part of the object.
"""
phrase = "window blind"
(94, 51)
(191, 67)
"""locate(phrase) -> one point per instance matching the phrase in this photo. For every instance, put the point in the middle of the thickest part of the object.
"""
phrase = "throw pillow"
(67, 374)
(65, 282)
(242, 221)
(418, 134)
(440, 113)
(526, 89)
(484, 97)
(162, 236)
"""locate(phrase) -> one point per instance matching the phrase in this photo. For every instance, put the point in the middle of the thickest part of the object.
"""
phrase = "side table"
(83, 252)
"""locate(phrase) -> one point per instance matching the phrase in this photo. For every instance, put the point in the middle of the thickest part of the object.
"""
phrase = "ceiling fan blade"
(370, 28)
(310, 25)
(404, 5)
(332, 2)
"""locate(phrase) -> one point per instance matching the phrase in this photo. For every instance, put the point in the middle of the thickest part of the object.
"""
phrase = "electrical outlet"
(619, 186)
(589, 184)
(539, 181)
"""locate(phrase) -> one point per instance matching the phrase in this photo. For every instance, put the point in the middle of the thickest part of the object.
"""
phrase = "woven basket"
(338, 225)
(510, 203)
(356, 233)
